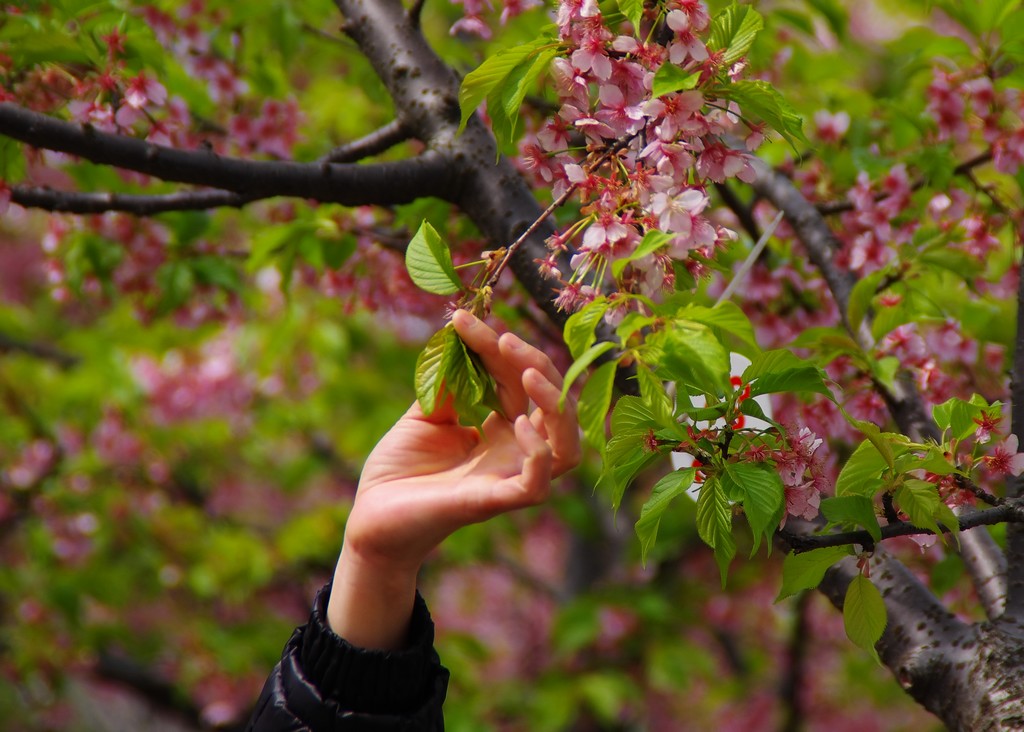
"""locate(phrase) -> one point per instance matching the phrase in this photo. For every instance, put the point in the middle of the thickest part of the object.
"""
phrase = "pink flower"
(803, 501)
(831, 126)
(676, 213)
(1004, 459)
(142, 91)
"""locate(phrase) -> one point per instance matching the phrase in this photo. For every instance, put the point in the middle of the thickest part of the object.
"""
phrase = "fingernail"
(515, 342)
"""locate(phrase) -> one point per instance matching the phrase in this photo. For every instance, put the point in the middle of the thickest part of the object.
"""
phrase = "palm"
(430, 475)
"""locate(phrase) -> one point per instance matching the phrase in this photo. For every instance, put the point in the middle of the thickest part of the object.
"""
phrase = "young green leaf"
(761, 101)
(430, 368)
(862, 473)
(958, 416)
(633, 10)
(762, 494)
(580, 365)
(653, 241)
(595, 400)
(728, 318)
(734, 30)
(806, 570)
(430, 262)
(480, 82)
(864, 614)
(779, 370)
(505, 99)
(664, 492)
(670, 78)
(624, 456)
(857, 510)
(693, 355)
(578, 333)
(920, 500)
(714, 524)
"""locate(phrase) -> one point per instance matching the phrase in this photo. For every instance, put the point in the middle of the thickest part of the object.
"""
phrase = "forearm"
(371, 604)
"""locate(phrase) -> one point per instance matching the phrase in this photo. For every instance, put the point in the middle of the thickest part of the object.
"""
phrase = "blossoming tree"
(830, 199)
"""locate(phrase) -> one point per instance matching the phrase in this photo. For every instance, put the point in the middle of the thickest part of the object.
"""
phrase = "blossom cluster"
(665, 151)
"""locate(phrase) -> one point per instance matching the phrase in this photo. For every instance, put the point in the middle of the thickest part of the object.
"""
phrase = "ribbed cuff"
(370, 681)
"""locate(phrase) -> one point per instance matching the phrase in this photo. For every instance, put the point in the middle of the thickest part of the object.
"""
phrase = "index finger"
(507, 357)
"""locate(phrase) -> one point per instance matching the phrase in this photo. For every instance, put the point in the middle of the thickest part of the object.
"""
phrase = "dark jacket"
(325, 684)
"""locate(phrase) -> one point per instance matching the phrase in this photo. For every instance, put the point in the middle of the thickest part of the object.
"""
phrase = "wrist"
(371, 601)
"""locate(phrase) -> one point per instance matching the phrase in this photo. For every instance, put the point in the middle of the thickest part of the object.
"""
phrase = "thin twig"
(555, 205)
(1010, 512)
(374, 143)
(838, 207)
(748, 263)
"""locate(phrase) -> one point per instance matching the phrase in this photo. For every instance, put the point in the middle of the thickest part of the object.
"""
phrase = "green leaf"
(653, 241)
(806, 570)
(864, 614)
(664, 492)
(714, 523)
(634, 12)
(670, 78)
(430, 262)
(764, 499)
(479, 83)
(431, 366)
(779, 370)
(467, 381)
(624, 456)
(761, 101)
(693, 355)
(883, 441)
(595, 400)
(862, 473)
(958, 416)
(733, 31)
(920, 500)
(857, 510)
(861, 296)
(581, 364)
(578, 333)
(726, 317)
(12, 161)
(506, 98)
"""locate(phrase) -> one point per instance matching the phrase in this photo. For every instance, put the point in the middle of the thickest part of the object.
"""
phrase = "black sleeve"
(325, 684)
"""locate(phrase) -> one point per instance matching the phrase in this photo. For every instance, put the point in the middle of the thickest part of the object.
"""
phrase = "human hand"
(430, 475)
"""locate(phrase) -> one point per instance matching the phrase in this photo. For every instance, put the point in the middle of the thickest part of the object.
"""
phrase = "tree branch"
(1009, 512)
(923, 643)
(964, 168)
(980, 553)
(1015, 487)
(792, 687)
(9, 344)
(77, 202)
(376, 142)
(425, 92)
(385, 183)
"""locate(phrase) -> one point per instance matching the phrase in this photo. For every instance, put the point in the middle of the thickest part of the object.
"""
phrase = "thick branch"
(923, 644)
(425, 92)
(384, 183)
(376, 142)
(9, 344)
(904, 402)
(1009, 512)
(1015, 488)
(77, 202)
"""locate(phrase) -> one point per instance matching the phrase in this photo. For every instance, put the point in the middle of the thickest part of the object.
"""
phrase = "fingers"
(524, 373)
(559, 427)
(482, 339)
(533, 483)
